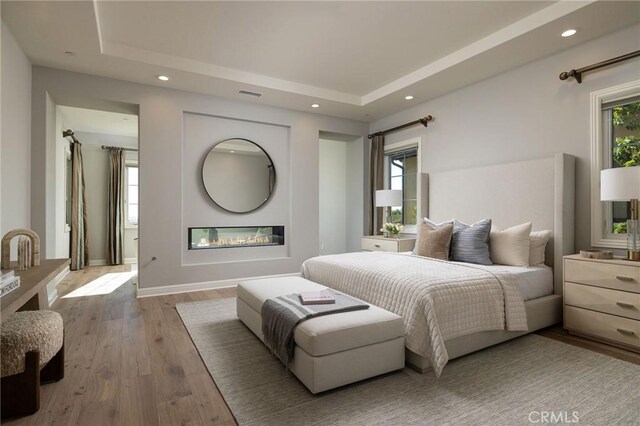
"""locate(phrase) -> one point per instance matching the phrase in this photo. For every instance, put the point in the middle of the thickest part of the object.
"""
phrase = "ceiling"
(104, 122)
(354, 59)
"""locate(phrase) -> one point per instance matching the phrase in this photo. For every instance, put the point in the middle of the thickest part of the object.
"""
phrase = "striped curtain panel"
(376, 181)
(115, 206)
(79, 239)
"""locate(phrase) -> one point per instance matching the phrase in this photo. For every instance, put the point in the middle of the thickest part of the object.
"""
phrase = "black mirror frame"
(272, 186)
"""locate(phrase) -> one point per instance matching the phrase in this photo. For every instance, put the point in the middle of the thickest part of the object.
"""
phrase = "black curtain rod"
(577, 74)
(118, 147)
(423, 121)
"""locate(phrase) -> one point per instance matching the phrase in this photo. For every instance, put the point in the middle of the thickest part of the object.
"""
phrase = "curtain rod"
(577, 74)
(423, 121)
(118, 147)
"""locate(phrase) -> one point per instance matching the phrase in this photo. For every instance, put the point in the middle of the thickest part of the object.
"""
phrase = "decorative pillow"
(511, 246)
(470, 243)
(435, 226)
(539, 240)
(434, 241)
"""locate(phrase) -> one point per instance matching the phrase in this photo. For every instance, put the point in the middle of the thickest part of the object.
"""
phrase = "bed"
(541, 191)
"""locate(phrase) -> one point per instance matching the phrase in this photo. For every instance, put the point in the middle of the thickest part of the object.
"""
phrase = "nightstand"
(381, 243)
(602, 300)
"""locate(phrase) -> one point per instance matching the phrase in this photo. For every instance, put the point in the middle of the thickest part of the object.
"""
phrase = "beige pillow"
(434, 241)
(539, 240)
(511, 246)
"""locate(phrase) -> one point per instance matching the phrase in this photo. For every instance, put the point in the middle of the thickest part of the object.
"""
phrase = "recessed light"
(315, 106)
(232, 151)
(569, 32)
(163, 78)
(408, 97)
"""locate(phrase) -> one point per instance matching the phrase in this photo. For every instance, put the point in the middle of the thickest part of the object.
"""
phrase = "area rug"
(528, 380)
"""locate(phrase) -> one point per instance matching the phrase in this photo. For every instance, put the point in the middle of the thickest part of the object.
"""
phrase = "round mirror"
(238, 175)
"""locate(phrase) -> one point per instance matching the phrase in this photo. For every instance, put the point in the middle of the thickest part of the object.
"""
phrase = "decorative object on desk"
(623, 184)
(392, 229)
(24, 253)
(6, 247)
(388, 198)
(596, 254)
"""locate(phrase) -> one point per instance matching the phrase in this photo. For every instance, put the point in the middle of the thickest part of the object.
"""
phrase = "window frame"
(601, 141)
(405, 145)
(127, 224)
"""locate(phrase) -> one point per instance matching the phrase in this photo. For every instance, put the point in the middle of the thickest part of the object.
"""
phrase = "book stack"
(322, 297)
(8, 282)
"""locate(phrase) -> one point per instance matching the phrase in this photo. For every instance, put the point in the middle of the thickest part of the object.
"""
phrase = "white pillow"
(511, 246)
(537, 247)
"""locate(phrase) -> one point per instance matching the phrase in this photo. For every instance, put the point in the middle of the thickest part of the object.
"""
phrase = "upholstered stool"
(32, 351)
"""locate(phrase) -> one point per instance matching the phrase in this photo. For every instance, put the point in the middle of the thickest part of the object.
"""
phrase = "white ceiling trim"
(489, 42)
(517, 29)
(198, 67)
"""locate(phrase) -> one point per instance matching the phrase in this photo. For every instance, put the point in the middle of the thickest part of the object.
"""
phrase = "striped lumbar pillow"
(470, 243)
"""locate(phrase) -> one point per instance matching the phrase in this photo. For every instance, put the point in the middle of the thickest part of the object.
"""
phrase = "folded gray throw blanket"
(281, 315)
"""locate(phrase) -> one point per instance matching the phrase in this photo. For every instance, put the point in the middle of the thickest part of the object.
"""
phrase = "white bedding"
(437, 300)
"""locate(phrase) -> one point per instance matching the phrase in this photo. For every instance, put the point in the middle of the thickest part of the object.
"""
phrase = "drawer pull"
(623, 278)
(625, 305)
(377, 245)
(625, 332)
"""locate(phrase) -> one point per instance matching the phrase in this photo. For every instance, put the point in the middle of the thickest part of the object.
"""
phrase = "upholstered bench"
(32, 352)
(331, 350)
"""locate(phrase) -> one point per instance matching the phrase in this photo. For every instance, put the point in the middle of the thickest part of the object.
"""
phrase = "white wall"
(163, 167)
(356, 182)
(15, 147)
(525, 113)
(333, 196)
(61, 233)
(96, 175)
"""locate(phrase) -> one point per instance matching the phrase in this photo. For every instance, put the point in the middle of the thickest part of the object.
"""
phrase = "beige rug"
(524, 381)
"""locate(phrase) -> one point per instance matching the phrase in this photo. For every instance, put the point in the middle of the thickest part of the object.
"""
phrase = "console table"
(32, 293)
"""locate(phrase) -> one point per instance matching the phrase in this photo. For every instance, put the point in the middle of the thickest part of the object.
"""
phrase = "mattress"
(533, 281)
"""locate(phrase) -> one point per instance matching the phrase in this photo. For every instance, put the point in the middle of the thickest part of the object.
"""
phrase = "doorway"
(99, 133)
(341, 193)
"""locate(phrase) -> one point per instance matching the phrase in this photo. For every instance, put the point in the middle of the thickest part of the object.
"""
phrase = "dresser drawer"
(609, 275)
(610, 327)
(373, 244)
(605, 300)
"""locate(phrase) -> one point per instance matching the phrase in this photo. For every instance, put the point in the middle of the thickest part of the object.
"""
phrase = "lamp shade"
(388, 197)
(620, 184)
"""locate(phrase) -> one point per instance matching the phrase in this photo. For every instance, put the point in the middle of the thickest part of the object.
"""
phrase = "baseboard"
(103, 262)
(201, 286)
(52, 291)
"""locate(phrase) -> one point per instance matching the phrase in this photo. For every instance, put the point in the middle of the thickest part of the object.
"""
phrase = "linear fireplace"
(235, 236)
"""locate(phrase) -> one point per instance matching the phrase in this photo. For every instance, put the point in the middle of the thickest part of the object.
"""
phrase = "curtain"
(79, 239)
(115, 206)
(376, 181)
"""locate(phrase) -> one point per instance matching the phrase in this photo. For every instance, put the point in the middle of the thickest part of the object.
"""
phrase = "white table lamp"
(388, 198)
(623, 184)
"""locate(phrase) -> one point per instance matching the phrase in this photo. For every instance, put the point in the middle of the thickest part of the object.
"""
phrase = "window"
(403, 175)
(402, 172)
(615, 142)
(131, 201)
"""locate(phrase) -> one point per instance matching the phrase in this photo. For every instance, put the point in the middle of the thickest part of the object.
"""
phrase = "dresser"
(381, 243)
(602, 300)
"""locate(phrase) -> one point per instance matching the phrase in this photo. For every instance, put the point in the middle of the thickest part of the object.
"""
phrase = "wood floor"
(128, 362)
(131, 361)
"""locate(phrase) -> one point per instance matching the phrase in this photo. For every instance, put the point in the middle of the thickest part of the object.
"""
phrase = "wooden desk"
(32, 293)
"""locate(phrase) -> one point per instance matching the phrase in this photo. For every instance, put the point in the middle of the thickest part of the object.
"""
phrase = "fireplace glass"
(237, 236)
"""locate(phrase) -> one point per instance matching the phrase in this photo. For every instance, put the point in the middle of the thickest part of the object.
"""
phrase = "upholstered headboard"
(541, 191)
